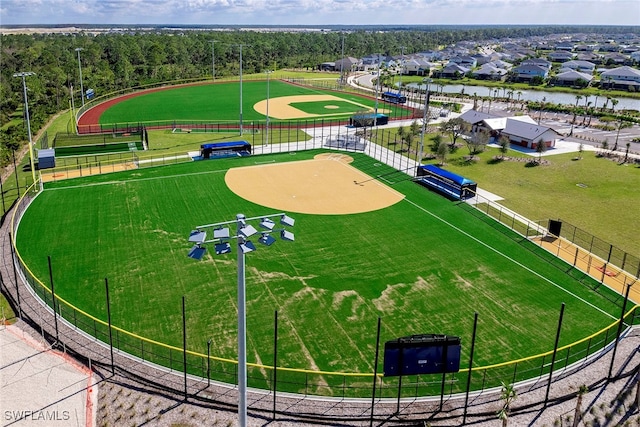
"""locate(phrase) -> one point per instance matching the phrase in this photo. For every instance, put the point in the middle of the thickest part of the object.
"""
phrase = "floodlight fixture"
(247, 246)
(267, 239)
(221, 233)
(198, 236)
(287, 220)
(197, 252)
(287, 235)
(222, 248)
(267, 223)
(248, 230)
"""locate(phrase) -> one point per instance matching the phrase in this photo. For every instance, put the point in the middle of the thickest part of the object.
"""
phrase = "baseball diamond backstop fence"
(106, 347)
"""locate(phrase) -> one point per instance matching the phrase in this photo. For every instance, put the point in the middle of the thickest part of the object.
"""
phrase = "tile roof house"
(489, 72)
(561, 56)
(537, 61)
(578, 65)
(417, 66)
(527, 72)
(453, 70)
(572, 78)
(621, 77)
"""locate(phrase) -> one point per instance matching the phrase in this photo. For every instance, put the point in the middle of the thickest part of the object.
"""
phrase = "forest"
(119, 60)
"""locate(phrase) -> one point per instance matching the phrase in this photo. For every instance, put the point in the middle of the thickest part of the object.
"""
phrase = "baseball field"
(364, 248)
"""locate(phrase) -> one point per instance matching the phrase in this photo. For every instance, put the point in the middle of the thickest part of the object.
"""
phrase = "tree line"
(114, 61)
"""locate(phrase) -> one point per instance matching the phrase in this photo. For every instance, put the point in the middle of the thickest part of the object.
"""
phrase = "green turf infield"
(220, 101)
(424, 265)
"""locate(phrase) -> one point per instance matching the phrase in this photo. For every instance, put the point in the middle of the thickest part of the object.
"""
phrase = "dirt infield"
(326, 185)
(281, 108)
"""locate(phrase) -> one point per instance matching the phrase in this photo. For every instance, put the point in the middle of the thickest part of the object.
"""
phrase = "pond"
(535, 95)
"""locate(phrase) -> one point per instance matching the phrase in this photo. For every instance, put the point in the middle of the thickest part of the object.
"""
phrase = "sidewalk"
(42, 387)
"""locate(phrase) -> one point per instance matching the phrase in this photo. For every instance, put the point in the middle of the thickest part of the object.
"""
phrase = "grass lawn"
(605, 203)
(424, 265)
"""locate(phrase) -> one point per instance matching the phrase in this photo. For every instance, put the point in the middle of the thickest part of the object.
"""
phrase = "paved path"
(41, 386)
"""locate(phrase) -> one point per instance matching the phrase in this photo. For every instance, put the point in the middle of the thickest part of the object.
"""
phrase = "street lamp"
(78, 49)
(25, 74)
(266, 140)
(213, 59)
(221, 237)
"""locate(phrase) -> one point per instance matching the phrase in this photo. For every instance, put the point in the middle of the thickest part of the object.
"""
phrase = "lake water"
(535, 95)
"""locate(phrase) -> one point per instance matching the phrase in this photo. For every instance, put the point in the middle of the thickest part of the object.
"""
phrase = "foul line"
(511, 259)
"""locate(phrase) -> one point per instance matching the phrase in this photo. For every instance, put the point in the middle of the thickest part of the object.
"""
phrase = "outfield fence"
(89, 337)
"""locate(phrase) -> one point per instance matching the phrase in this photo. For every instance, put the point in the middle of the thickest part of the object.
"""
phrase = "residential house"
(635, 56)
(566, 46)
(583, 66)
(501, 64)
(589, 56)
(489, 72)
(540, 62)
(417, 67)
(615, 58)
(621, 78)
(464, 61)
(572, 78)
(528, 72)
(453, 70)
(346, 64)
(560, 56)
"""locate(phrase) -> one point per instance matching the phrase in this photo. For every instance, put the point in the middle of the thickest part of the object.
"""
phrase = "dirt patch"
(87, 171)
(326, 185)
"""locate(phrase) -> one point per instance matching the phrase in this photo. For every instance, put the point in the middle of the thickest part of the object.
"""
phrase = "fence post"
(53, 300)
(619, 331)
(553, 357)
(184, 347)
(375, 373)
(106, 285)
(275, 361)
(473, 345)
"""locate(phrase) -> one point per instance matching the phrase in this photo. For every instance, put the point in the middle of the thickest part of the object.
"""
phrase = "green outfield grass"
(219, 102)
(424, 265)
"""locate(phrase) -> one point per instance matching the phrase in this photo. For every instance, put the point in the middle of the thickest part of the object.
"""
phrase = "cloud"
(318, 12)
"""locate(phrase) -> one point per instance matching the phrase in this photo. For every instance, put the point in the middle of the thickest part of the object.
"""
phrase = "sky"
(320, 12)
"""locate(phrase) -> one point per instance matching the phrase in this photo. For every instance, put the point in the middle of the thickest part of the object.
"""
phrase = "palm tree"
(541, 147)
(507, 395)
(577, 415)
(595, 104)
(614, 102)
(626, 153)
(475, 101)
(606, 102)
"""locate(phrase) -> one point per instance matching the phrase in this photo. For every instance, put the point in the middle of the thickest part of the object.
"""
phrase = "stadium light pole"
(266, 140)
(221, 237)
(24, 75)
(213, 59)
(425, 117)
(78, 49)
(401, 69)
